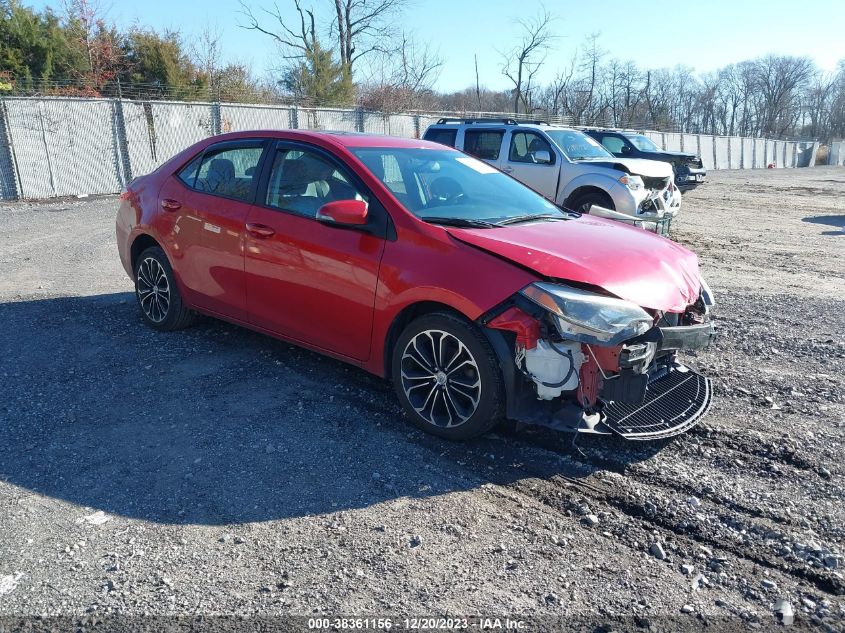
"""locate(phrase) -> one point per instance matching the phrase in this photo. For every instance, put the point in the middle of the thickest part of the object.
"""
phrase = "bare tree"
(403, 79)
(206, 51)
(522, 62)
(779, 80)
(295, 42)
(363, 27)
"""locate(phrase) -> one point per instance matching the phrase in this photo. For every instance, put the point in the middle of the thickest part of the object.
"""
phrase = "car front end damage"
(646, 201)
(579, 360)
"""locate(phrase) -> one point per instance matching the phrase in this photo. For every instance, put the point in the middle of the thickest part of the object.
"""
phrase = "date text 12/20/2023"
(416, 624)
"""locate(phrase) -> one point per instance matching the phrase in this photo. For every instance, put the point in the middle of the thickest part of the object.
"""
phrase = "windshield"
(643, 143)
(577, 145)
(443, 185)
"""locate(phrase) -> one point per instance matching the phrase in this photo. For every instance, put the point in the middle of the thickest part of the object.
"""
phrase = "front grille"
(673, 404)
(655, 183)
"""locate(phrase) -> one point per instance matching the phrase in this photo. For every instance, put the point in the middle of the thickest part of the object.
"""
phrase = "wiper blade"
(528, 218)
(464, 222)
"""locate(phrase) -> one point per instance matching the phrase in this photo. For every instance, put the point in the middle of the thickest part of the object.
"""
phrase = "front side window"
(483, 143)
(525, 145)
(225, 172)
(303, 181)
(613, 144)
(643, 143)
(447, 184)
(444, 137)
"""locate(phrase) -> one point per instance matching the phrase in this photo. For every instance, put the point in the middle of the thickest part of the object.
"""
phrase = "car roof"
(500, 124)
(338, 138)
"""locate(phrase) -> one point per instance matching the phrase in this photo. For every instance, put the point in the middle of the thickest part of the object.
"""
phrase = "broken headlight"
(589, 317)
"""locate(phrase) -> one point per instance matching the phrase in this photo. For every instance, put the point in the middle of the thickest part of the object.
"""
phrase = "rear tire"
(447, 377)
(582, 203)
(157, 293)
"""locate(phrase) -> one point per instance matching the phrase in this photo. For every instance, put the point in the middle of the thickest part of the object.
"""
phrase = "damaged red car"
(480, 299)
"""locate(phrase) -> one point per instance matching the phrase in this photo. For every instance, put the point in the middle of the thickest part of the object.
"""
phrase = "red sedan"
(479, 299)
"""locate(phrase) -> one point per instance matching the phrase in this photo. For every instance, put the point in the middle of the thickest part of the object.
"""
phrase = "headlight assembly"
(634, 183)
(589, 317)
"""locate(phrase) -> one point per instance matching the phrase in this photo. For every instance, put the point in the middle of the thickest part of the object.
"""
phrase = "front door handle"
(261, 231)
(507, 169)
(169, 204)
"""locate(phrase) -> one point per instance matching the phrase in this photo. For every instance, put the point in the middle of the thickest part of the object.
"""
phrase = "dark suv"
(689, 170)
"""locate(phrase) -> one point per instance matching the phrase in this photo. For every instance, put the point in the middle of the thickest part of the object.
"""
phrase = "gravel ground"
(217, 471)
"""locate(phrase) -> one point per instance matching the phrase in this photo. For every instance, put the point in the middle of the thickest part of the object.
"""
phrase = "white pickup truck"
(569, 168)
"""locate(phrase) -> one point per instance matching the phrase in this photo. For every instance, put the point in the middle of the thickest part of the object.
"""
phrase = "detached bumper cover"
(673, 404)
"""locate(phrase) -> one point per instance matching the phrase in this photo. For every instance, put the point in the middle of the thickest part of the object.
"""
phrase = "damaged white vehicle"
(570, 168)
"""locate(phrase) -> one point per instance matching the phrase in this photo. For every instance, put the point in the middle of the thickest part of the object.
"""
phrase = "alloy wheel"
(153, 289)
(440, 378)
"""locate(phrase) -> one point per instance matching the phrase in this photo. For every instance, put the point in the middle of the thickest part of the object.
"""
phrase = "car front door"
(306, 280)
(531, 160)
(212, 208)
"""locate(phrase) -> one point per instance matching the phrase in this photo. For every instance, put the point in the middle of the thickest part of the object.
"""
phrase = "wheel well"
(141, 243)
(581, 191)
(408, 314)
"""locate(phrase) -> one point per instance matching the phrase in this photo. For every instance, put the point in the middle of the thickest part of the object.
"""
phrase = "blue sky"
(654, 33)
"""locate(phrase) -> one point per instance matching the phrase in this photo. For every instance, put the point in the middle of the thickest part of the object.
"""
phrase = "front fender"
(624, 200)
(452, 276)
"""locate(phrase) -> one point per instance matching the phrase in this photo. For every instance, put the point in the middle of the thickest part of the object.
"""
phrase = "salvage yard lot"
(214, 470)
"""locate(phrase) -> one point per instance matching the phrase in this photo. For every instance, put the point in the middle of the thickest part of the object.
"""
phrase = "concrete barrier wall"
(64, 146)
(836, 153)
(672, 142)
(689, 143)
(722, 152)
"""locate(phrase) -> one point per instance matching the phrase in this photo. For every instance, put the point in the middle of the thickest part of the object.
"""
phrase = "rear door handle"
(261, 231)
(507, 168)
(168, 204)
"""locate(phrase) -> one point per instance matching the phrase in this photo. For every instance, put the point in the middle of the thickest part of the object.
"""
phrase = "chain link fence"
(67, 146)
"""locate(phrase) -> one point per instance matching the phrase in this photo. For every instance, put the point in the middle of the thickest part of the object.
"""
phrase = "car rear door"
(210, 207)
(520, 160)
(306, 280)
(484, 143)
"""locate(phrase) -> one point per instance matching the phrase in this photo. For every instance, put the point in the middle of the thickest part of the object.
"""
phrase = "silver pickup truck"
(569, 168)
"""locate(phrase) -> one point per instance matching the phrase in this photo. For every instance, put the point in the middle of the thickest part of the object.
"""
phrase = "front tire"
(157, 293)
(584, 202)
(447, 378)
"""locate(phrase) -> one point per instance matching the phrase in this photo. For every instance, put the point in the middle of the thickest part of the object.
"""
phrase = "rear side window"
(228, 171)
(484, 144)
(613, 144)
(444, 137)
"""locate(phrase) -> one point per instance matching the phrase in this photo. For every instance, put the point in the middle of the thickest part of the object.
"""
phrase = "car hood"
(637, 166)
(676, 155)
(628, 262)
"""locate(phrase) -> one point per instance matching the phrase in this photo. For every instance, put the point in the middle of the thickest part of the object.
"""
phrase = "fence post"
(359, 119)
(123, 164)
(417, 126)
(9, 176)
(715, 153)
(46, 146)
(293, 114)
(215, 118)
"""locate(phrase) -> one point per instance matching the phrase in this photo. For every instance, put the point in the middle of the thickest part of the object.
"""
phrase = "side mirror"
(626, 149)
(542, 157)
(344, 213)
